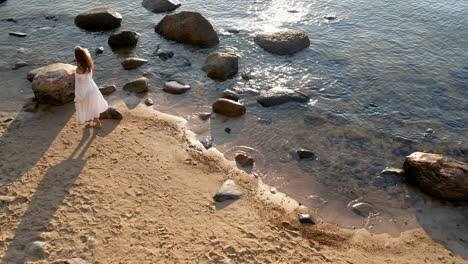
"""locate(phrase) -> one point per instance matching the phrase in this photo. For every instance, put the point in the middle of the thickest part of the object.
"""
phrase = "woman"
(89, 101)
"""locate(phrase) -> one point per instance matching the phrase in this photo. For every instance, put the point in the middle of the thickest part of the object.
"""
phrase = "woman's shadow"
(49, 196)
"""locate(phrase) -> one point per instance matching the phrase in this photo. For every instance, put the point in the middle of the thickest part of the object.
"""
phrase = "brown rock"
(438, 175)
(133, 63)
(99, 19)
(55, 84)
(244, 160)
(188, 27)
(228, 107)
(174, 87)
(139, 85)
(286, 42)
(106, 90)
(221, 66)
(111, 113)
(160, 6)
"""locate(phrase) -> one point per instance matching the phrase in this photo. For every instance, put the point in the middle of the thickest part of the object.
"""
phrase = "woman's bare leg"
(97, 122)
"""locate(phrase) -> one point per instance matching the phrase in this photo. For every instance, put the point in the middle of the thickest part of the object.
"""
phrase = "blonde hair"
(83, 59)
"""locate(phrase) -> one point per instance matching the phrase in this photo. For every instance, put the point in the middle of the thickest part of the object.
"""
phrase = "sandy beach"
(141, 190)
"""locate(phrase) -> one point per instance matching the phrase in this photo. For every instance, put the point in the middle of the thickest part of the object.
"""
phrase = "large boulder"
(139, 85)
(123, 38)
(438, 175)
(285, 42)
(54, 84)
(278, 96)
(133, 63)
(33, 73)
(188, 27)
(99, 19)
(221, 66)
(228, 107)
(160, 6)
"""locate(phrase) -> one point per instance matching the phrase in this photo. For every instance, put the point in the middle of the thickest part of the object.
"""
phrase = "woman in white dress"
(89, 102)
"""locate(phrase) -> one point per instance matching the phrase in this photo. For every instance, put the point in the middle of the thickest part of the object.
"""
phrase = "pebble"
(244, 160)
(20, 64)
(99, 50)
(227, 130)
(18, 34)
(8, 120)
(388, 245)
(306, 219)
(362, 209)
(204, 116)
(330, 17)
(305, 154)
(11, 20)
(22, 51)
(207, 142)
(36, 248)
(373, 105)
(233, 31)
(54, 18)
(149, 102)
(246, 76)
(228, 191)
(164, 55)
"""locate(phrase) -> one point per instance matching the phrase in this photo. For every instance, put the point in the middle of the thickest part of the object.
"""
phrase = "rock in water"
(139, 85)
(306, 219)
(160, 6)
(99, 50)
(133, 63)
(99, 19)
(188, 27)
(204, 116)
(306, 154)
(438, 175)
(244, 160)
(285, 42)
(149, 102)
(54, 84)
(107, 89)
(111, 113)
(228, 191)
(221, 66)
(362, 209)
(123, 39)
(278, 96)
(207, 142)
(174, 87)
(228, 94)
(228, 107)
(20, 64)
(18, 34)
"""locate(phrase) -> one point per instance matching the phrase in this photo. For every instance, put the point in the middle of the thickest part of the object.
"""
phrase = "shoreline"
(72, 226)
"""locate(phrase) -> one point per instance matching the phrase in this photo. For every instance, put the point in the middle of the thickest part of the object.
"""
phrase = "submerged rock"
(139, 85)
(107, 89)
(306, 154)
(188, 27)
(228, 107)
(18, 34)
(124, 38)
(54, 84)
(278, 96)
(243, 160)
(285, 42)
(221, 66)
(207, 142)
(228, 191)
(20, 64)
(204, 116)
(165, 54)
(99, 19)
(133, 63)
(111, 113)
(438, 175)
(228, 94)
(99, 50)
(362, 209)
(174, 87)
(160, 6)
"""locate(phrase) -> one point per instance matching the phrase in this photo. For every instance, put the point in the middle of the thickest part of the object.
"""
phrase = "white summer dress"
(89, 101)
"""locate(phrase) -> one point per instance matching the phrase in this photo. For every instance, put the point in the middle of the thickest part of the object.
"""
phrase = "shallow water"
(380, 76)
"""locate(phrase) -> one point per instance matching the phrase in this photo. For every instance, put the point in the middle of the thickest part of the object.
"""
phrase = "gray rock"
(278, 96)
(149, 102)
(20, 64)
(329, 17)
(207, 142)
(392, 171)
(228, 107)
(75, 261)
(362, 209)
(306, 154)
(438, 175)
(8, 119)
(227, 130)
(246, 76)
(285, 42)
(204, 116)
(99, 50)
(30, 107)
(174, 87)
(306, 219)
(228, 94)
(243, 160)
(165, 54)
(233, 31)
(133, 63)
(99, 19)
(111, 113)
(221, 66)
(18, 34)
(123, 38)
(160, 6)
(22, 51)
(36, 249)
(228, 191)
(139, 85)
(106, 90)
(188, 27)
(54, 84)
(33, 73)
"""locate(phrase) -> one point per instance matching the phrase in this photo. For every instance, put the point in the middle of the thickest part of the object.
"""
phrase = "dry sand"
(137, 192)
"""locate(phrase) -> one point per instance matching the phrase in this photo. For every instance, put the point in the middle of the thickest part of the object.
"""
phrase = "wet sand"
(140, 191)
